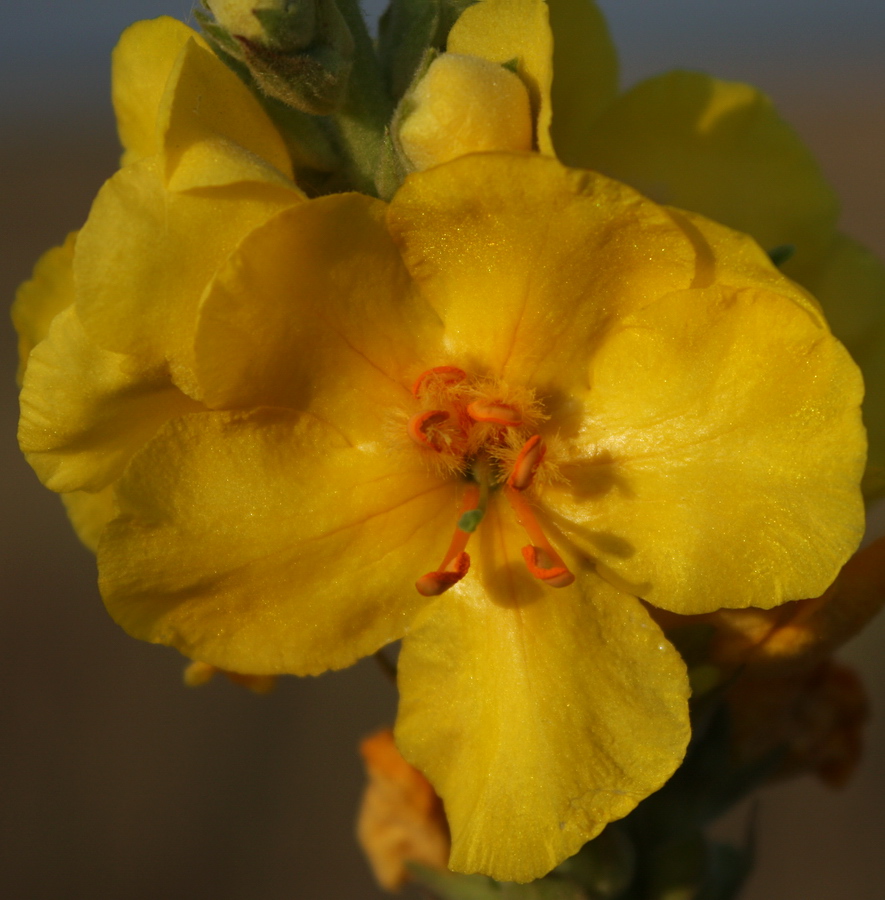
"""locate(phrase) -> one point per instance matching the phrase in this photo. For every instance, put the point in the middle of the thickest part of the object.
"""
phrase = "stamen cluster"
(485, 431)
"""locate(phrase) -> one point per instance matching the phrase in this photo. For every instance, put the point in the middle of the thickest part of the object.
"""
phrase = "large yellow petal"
(214, 130)
(315, 311)
(538, 714)
(585, 75)
(528, 262)
(90, 512)
(146, 254)
(141, 64)
(505, 30)
(721, 149)
(85, 410)
(265, 543)
(722, 450)
(849, 282)
(40, 299)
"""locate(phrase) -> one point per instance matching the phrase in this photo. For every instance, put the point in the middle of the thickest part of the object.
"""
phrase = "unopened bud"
(401, 820)
(298, 51)
(464, 104)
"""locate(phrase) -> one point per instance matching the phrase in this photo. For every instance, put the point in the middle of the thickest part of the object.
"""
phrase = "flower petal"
(505, 30)
(214, 129)
(265, 543)
(849, 282)
(722, 453)
(585, 75)
(142, 62)
(528, 262)
(146, 254)
(90, 512)
(718, 148)
(538, 714)
(85, 411)
(40, 299)
(315, 311)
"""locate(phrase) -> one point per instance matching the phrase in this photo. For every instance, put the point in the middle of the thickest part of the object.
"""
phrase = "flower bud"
(401, 820)
(298, 51)
(464, 104)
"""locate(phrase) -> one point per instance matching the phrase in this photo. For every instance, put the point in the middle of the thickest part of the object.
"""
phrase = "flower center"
(487, 433)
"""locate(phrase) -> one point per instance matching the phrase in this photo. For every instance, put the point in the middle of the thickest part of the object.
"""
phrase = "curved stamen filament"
(456, 562)
(530, 457)
(496, 413)
(422, 429)
(540, 557)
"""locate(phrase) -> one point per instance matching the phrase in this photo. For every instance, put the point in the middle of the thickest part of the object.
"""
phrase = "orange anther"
(456, 562)
(540, 557)
(423, 431)
(553, 572)
(530, 457)
(435, 583)
(441, 375)
(496, 413)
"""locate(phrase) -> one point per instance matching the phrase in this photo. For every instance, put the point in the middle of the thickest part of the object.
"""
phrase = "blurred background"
(117, 782)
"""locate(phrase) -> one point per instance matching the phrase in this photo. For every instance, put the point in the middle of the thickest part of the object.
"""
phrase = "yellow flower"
(117, 304)
(651, 408)
(695, 142)
(485, 418)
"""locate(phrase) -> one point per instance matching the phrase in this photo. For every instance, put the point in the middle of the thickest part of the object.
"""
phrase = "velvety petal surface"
(40, 299)
(265, 543)
(214, 129)
(85, 410)
(849, 282)
(722, 450)
(316, 311)
(718, 148)
(146, 254)
(585, 75)
(506, 30)
(538, 714)
(528, 263)
(141, 64)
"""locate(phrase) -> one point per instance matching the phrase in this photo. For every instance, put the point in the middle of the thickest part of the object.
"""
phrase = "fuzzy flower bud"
(298, 51)
(464, 104)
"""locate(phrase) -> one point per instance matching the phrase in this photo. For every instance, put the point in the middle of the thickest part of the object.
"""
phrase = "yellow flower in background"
(486, 418)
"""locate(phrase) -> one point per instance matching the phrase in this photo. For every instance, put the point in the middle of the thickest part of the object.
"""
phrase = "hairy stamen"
(530, 457)
(494, 412)
(444, 375)
(423, 430)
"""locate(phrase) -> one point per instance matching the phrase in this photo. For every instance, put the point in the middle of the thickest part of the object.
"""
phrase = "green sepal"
(783, 253)
(313, 80)
(309, 139)
(217, 35)
(292, 28)
(407, 29)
